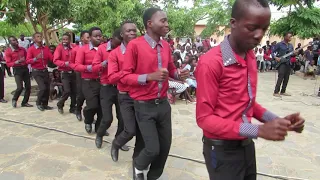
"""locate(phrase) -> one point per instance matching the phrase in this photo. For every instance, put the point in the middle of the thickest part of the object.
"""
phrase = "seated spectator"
(191, 66)
(311, 70)
(56, 86)
(267, 58)
(260, 61)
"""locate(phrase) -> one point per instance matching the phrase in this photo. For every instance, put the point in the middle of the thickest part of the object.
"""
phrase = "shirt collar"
(152, 42)
(228, 57)
(123, 48)
(68, 47)
(109, 48)
(36, 46)
(91, 46)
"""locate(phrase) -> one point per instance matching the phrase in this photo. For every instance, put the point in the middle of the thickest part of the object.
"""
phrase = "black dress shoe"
(124, 148)
(88, 128)
(3, 101)
(26, 105)
(79, 116)
(60, 110)
(72, 111)
(14, 103)
(136, 176)
(114, 153)
(47, 107)
(98, 141)
(40, 107)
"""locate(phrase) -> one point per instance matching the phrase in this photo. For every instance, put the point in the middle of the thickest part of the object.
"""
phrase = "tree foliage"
(303, 19)
(45, 16)
(7, 30)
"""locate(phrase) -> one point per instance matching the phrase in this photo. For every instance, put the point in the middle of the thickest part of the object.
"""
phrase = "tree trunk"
(5, 39)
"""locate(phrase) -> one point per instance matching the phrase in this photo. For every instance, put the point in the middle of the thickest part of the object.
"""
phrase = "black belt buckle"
(157, 101)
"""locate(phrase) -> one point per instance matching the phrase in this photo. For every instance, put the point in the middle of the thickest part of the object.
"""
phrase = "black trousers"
(42, 79)
(69, 89)
(154, 121)
(130, 125)
(108, 98)
(230, 163)
(21, 75)
(283, 78)
(80, 96)
(91, 92)
(5, 67)
(1, 83)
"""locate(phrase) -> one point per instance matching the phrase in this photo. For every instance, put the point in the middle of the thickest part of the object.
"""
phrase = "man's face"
(268, 43)
(251, 27)
(129, 32)
(96, 37)
(52, 49)
(22, 37)
(65, 41)
(85, 39)
(13, 42)
(159, 23)
(288, 37)
(37, 38)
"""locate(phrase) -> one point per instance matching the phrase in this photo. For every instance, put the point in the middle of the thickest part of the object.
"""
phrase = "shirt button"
(244, 115)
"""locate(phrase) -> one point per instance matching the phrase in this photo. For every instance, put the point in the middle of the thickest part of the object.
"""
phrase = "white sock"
(138, 171)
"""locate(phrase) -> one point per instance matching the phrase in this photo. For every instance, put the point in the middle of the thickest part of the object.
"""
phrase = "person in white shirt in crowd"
(260, 60)
(198, 43)
(188, 43)
(213, 42)
(183, 52)
(23, 42)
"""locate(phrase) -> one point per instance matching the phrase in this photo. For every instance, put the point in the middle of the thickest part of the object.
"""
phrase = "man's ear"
(233, 23)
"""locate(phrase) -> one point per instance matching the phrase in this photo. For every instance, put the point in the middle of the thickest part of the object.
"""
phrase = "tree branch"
(62, 22)
(29, 16)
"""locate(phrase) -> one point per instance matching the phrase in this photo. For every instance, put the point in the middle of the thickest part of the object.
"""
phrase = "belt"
(92, 79)
(121, 92)
(154, 101)
(108, 85)
(20, 67)
(226, 143)
(69, 72)
(40, 70)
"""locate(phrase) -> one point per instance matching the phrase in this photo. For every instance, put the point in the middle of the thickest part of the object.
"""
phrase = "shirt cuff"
(34, 59)
(268, 116)
(249, 130)
(89, 68)
(142, 79)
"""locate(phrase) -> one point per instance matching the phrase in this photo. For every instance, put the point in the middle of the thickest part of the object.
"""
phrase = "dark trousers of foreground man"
(283, 78)
(154, 121)
(108, 98)
(21, 75)
(1, 83)
(230, 160)
(91, 92)
(42, 79)
(131, 128)
(68, 80)
(80, 96)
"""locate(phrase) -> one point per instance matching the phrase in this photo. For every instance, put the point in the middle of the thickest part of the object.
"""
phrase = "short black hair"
(125, 22)
(240, 6)
(94, 29)
(67, 34)
(148, 13)
(36, 34)
(83, 33)
(52, 46)
(287, 33)
(117, 34)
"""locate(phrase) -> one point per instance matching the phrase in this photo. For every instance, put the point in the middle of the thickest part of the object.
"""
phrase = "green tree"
(108, 14)
(9, 30)
(45, 16)
(303, 19)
